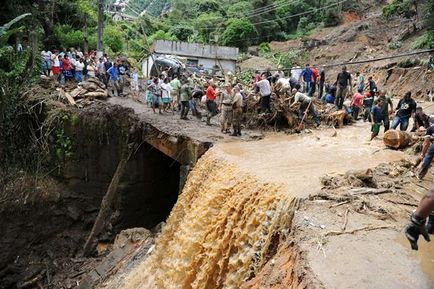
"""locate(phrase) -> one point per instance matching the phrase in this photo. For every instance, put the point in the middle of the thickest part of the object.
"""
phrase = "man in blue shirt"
(113, 80)
(307, 78)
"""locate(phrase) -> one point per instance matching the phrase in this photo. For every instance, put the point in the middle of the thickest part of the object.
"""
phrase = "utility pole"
(99, 43)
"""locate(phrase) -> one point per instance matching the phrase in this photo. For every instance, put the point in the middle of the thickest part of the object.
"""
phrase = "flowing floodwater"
(300, 162)
(218, 233)
(238, 198)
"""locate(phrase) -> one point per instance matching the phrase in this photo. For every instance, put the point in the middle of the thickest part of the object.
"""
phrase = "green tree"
(266, 23)
(161, 35)
(239, 33)
(113, 38)
(239, 9)
(208, 25)
(182, 32)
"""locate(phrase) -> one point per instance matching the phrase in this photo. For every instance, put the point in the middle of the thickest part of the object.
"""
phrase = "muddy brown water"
(300, 162)
(425, 254)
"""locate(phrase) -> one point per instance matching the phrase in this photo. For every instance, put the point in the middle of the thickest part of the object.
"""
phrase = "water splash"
(220, 233)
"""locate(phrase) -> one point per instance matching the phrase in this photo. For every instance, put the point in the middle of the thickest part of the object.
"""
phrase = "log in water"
(396, 139)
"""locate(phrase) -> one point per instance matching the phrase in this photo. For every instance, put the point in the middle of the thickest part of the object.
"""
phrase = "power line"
(291, 16)
(371, 60)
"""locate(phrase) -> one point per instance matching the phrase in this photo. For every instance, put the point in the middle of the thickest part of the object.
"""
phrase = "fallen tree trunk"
(106, 202)
(397, 139)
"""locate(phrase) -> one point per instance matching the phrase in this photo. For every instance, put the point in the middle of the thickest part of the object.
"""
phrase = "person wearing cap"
(343, 82)
(226, 107)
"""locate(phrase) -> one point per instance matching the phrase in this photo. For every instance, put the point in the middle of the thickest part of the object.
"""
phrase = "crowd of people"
(74, 66)
(180, 93)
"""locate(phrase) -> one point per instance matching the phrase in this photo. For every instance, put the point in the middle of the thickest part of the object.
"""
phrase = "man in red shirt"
(211, 106)
(357, 103)
(315, 76)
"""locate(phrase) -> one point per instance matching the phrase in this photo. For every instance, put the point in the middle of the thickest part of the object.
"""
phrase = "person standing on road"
(343, 87)
(265, 92)
(237, 111)
(176, 86)
(387, 102)
(113, 84)
(166, 94)
(123, 70)
(211, 105)
(306, 106)
(418, 224)
(226, 104)
(185, 95)
(156, 92)
(405, 109)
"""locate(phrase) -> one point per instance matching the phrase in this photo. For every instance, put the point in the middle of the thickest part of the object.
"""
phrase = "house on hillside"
(193, 56)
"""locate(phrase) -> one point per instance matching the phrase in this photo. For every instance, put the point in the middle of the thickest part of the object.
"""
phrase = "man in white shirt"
(296, 72)
(79, 66)
(265, 92)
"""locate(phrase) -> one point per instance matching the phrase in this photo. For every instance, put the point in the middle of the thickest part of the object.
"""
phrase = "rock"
(133, 235)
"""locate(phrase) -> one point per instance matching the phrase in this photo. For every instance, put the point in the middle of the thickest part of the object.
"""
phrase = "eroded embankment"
(225, 226)
(45, 217)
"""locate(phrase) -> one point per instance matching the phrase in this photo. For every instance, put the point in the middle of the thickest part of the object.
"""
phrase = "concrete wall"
(147, 65)
(208, 64)
(195, 50)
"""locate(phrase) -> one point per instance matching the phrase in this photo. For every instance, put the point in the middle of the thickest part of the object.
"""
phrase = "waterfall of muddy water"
(218, 233)
(237, 199)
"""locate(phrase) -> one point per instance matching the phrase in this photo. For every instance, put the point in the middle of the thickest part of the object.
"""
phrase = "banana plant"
(6, 31)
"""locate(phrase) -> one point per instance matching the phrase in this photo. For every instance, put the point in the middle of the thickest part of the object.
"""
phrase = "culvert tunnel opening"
(52, 229)
(149, 189)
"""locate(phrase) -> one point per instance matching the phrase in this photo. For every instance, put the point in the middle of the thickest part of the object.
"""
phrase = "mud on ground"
(351, 232)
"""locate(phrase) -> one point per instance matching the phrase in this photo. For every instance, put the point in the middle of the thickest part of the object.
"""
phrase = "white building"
(197, 56)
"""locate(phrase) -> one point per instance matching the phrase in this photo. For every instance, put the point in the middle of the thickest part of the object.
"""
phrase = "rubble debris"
(91, 89)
